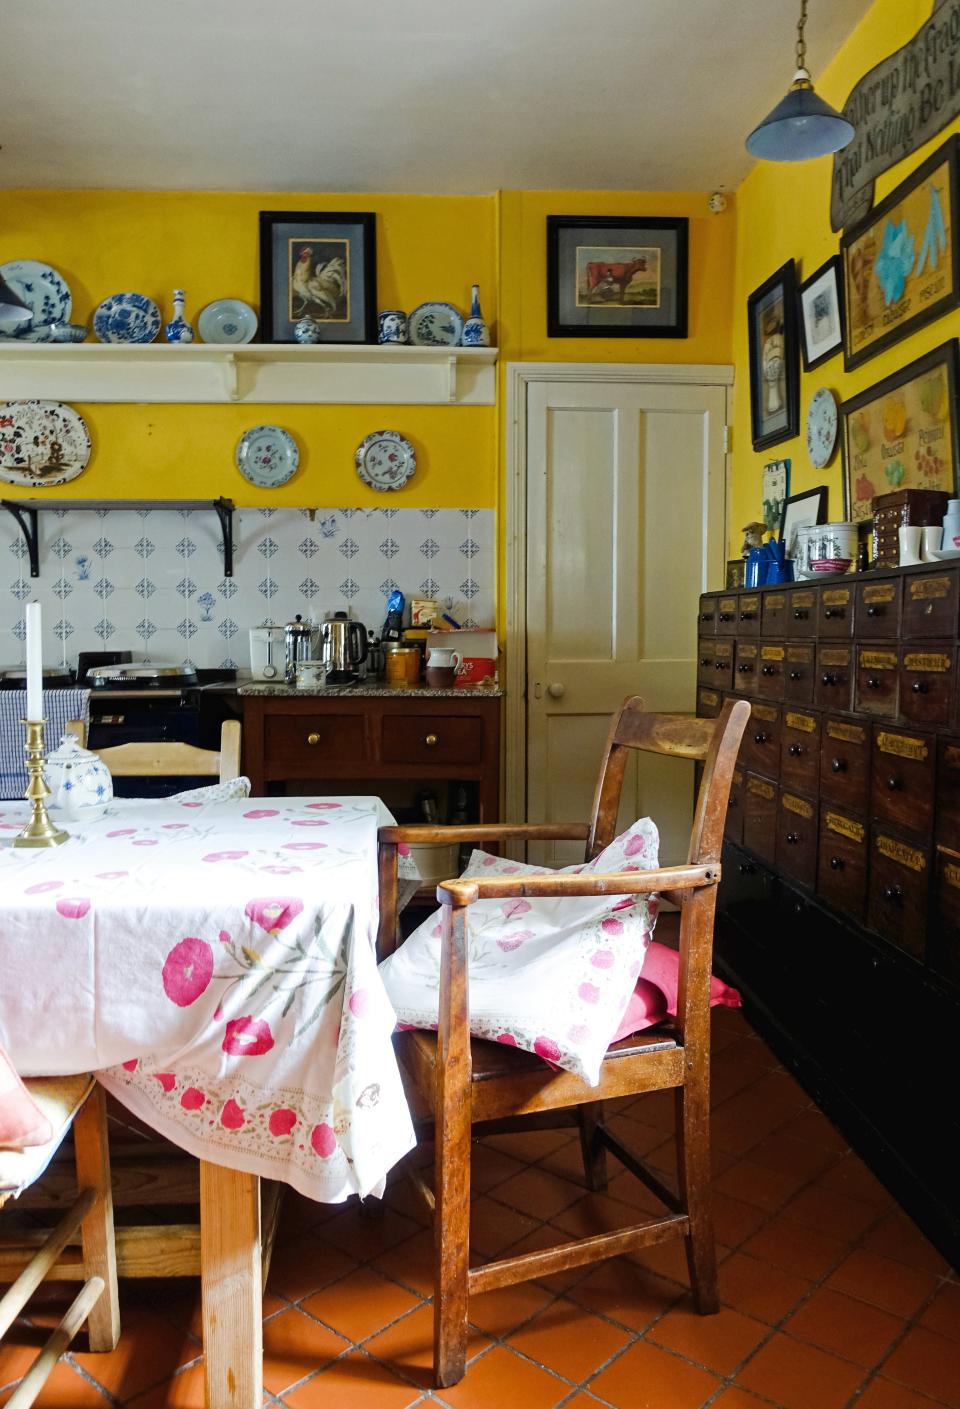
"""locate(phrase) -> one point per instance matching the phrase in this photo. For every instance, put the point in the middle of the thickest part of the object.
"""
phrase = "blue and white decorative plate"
(127, 318)
(385, 460)
(227, 320)
(41, 443)
(267, 456)
(435, 325)
(822, 425)
(43, 291)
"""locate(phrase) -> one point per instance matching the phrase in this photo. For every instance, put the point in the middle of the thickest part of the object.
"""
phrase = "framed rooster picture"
(321, 266)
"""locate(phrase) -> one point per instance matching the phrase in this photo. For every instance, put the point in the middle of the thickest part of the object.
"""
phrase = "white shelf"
(204, 373)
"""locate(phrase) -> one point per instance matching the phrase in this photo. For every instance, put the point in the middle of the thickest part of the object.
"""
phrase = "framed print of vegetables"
(902, 433)
(901, 265)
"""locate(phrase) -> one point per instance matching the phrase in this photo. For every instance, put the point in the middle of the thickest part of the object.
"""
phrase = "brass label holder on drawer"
(899, 852)
(926, 589)
(845, 827)
(807, 723)
(933, 662)
(846, 733)
(903, 746)
(797, 805)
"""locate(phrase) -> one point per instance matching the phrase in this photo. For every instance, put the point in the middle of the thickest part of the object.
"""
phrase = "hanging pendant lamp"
(801, 125)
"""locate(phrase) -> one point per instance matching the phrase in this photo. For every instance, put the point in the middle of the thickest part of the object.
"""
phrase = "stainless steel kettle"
(343, 646)
(298, 646)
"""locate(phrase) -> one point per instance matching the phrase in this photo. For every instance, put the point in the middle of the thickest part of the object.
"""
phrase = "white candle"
(34, 663)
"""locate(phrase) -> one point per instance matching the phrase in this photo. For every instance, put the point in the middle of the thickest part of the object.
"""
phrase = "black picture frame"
(830, 276)
(578, 308)
(796, 512)
(774, 304)
(856, 256)
(346, 309)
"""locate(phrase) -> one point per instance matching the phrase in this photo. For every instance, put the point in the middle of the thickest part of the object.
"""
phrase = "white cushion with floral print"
(550, 975)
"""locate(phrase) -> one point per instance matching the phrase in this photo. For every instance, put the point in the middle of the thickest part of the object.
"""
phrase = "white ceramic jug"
(79, 781)
(442, 658)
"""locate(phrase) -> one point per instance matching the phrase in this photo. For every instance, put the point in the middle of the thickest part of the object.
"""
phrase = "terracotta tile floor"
(831, 1297)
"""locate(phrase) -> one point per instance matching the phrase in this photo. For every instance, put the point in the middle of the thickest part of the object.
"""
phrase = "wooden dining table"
(214, 962)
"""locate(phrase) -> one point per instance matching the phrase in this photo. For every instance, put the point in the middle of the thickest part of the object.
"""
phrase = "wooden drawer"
(709, 703)
(930, 604)
(833, 684)
(723, 665)
(800, 750)
(797, 837)
(897, 891)
(842, 857)
(836, 612)
(802, 611)
(878, 678)
(746, 667)
(845, 763)
(799, 668)
(948, 792)
(901, 788)
(760, 817)
(301, 742)
(943, 950)
(760, 750)
(706, 659)
(773, 620)
(770, 674)
(878, 608)
(727, 616)
(928, 682)
(426, 738)
(733, 826)
(708, 616)
(748, 614)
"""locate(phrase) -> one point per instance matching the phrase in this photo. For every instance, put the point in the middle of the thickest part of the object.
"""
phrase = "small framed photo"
(320, 265)
(736, 573)
(775, 492)
(801, 511)
(774, 362)
(616, 276)
(821, 314)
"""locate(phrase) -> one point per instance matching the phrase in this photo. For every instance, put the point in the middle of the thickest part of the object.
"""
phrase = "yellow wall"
(206, 243)
(783, 212)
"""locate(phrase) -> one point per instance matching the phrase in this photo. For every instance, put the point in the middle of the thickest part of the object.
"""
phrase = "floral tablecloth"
(215, 964)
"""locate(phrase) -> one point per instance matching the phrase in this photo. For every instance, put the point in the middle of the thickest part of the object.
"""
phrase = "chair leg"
(451, 1232)
(693, 1171)
(590, 1115)
(92, 1154)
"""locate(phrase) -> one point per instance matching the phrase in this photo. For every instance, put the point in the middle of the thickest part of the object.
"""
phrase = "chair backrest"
(173, 760)
(713, 742)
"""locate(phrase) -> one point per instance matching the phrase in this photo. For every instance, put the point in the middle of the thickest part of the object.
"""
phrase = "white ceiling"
(395, 95)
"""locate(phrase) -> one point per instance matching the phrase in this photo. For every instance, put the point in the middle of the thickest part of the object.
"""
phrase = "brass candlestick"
(39, 831)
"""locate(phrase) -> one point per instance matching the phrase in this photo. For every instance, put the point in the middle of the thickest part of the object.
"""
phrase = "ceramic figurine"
(308, 330)
(475, 331)
(178, 329)
(753, 534)
(392, 324)
(79, 781)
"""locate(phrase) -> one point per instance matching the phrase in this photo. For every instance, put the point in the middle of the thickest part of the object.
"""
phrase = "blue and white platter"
(44, 292)
(435, 325)
(127, 318)
(267, 456)
(227, 320)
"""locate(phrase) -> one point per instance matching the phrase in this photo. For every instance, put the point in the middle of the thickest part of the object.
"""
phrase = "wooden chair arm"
(459, 894)
(490, 831)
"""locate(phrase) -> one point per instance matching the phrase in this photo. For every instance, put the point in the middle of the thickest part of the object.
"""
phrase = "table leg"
(231, 1289)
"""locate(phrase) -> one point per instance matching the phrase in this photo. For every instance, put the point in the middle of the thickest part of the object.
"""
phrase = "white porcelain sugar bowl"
(79, 781)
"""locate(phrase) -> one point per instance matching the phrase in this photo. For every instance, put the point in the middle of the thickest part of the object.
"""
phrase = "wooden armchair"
(468, 1082)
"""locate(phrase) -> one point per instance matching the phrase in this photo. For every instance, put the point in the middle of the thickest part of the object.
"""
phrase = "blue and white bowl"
(127, 318)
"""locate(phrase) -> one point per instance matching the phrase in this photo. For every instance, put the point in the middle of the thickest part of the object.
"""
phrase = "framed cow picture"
(616, 276)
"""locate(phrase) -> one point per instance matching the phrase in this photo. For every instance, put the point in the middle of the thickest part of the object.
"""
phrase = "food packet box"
(477, 649)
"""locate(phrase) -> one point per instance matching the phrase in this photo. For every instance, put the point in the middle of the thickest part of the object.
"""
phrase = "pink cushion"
(655, 996)
(22, 1123)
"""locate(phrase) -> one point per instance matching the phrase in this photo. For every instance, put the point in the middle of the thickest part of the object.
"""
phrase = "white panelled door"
(625, 527)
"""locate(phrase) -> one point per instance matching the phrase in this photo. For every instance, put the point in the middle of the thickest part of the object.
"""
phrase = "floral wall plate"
(43, 290)
(127, 318)
(385, 460)
(822, 423)
(41, 442)
(435, 325)
(267, 456)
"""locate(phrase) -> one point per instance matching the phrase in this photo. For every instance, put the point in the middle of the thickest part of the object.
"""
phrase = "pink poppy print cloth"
(550, 975)
(214, 962)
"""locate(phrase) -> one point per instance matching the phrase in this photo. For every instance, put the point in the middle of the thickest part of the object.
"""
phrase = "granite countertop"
(365, 688)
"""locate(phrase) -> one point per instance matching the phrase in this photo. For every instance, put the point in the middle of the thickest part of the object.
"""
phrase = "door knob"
(556, 691)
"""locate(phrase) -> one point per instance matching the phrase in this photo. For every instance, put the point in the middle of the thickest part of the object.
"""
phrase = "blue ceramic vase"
(475, 331)
(178, 329)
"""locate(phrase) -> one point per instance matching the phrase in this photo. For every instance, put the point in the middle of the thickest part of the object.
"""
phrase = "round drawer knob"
(894, 783)
(828, 679)
(313, 740)
(839, 765)
(873, 682)
(759, 738)
(832, 612)
(795, 750)
(894, 894)
(874, 611)
(796, 675)
(768, 670)
(800, 616)
(793, 838)
(836, 863)
(920, 687)
(431, 741)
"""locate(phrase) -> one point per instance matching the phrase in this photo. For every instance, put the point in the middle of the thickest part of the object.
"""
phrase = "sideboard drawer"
(928, 681)
(773, 620)
(706, 658)
(708, 616)
(798, 669)
(709, 703)
(300, 742)
(842, 862)
(427, 738)
(836, 613)
(760, 750)
(802, 611)
(878, 609)
(745, 671)
(901, 788)
(898, 888)
(800, 750)
(727, 613)
(833, 688)
(797, 837)
(845, 763)
(760, 817)
(733, 826)
(878, 677)
(930, 604)
(723, 665)
(948, 792)
(944, 948)
(748, 615)
(770, 676)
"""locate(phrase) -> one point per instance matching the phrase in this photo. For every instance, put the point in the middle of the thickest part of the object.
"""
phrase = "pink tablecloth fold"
(215, 964)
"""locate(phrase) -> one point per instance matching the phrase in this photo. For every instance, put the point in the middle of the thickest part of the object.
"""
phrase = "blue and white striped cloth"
(58, 707)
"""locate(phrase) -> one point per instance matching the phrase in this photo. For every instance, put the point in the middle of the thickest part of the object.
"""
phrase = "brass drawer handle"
(431, 741)
(313, 739)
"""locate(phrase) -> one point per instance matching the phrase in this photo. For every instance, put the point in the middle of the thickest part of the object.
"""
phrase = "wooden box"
(904, 507)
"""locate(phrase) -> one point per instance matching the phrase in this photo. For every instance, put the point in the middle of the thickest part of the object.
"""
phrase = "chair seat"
(59, 1098)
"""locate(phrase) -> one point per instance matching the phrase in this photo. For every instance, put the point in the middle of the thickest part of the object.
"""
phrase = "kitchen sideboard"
(839, 906)
(376, 733)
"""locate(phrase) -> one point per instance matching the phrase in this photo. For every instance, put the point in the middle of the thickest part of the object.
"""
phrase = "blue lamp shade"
(801, 126)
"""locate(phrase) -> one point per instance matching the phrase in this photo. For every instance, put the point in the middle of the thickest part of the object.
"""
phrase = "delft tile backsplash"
(151, 580)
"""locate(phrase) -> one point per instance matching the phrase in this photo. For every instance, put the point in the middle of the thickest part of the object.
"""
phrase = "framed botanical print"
(901, 264)
(774, 361)
(321, 266)
(616, 276)
(902, 433)
(821, 314)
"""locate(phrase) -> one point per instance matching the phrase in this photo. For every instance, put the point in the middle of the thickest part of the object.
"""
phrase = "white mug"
(932, 538)
(311, 674)
(442, 657)
(910, 540)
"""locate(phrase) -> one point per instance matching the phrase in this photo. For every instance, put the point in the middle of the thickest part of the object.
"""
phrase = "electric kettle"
(343, 646)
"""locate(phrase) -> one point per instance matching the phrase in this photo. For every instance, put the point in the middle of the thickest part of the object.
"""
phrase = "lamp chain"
(801, 42)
